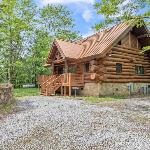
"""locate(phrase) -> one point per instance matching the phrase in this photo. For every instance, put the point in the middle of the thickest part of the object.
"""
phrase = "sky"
(83, 13)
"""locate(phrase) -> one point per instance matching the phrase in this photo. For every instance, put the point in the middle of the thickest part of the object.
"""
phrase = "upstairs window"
(118, 68)
(139, 70)
(86, 67)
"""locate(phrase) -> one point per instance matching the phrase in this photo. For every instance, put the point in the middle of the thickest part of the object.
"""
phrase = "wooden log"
(118, 60)
(119, 76)
(93, 62)
(94, 68)
(123, 73)
(111, 63)
(127, 80)
(114, 69)
(132, 55)
(95, 76)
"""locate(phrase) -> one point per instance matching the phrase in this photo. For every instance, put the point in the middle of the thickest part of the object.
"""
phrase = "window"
(72, 69)
(118, 68)
(139, 70)
(119, 43)
(86, 67)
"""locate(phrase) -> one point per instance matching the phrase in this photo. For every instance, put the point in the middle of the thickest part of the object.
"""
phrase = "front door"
(58, 70)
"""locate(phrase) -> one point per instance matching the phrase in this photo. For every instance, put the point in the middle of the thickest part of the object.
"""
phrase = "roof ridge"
(68, 41)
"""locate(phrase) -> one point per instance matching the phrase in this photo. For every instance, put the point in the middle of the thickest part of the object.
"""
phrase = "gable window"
(118, 68)
(86, 67)
(139, 70)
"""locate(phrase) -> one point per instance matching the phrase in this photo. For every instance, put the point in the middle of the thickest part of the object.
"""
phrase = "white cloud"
(45, 2)
(87, 15)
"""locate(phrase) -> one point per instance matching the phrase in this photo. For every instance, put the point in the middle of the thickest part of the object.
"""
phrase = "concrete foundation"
(120, 89)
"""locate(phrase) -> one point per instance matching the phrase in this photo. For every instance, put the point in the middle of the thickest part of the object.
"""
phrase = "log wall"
(129, 58)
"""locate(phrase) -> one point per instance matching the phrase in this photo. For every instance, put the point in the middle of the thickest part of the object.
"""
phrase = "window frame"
(139, 70)
(72, 68)
(86, 67)
(118, 70)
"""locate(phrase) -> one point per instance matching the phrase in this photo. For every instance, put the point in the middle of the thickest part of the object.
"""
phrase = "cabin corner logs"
(6, 93)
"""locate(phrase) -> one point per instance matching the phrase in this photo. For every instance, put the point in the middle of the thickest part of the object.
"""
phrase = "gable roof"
(69, 49)
(97, 44)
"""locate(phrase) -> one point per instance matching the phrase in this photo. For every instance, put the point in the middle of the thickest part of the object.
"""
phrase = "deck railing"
(70, 79)
(73, 79)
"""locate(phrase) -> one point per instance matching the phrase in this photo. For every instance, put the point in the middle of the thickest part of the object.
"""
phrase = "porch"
(64, 83)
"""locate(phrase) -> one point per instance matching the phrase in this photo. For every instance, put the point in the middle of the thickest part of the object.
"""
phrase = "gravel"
(53, 123)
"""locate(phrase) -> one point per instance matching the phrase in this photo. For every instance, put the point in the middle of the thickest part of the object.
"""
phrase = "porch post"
(69, 84)
(65, 90)
(61, 90)
(66, 67)
(53, 68)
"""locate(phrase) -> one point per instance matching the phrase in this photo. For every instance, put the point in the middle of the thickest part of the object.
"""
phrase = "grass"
(22, 92)
(103, 99)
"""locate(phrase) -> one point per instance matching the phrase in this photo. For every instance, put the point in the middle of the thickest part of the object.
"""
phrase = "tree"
(16, 18)
(115, 11)
(26, 34)
(57, 21)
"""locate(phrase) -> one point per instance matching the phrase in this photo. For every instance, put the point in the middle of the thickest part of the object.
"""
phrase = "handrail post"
(69, 84)
(82, 78)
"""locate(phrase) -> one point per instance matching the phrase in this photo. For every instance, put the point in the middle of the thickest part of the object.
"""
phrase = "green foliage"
(147, 48)
(103, 99)
(57, 21)
(22, 92)
(26, 34)
(115, 11)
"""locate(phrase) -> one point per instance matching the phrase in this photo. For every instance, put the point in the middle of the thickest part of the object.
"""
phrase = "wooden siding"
(129, 58)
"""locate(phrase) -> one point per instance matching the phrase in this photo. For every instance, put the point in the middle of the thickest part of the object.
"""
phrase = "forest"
(26, 33)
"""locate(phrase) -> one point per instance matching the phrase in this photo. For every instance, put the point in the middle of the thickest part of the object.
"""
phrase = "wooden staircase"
(50, 86)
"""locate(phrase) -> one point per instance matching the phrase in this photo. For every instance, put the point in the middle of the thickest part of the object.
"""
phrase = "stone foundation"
(90, 89)
(119, 89)
(6, 93)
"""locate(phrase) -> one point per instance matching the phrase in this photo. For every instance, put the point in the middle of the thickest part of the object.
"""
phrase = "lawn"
(21, 92)
(103, 99)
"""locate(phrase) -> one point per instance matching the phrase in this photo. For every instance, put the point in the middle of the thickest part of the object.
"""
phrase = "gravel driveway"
(52, 123)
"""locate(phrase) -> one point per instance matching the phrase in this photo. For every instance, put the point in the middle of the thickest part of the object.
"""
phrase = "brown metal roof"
(100, 42)
(97, 44)
(70, 49)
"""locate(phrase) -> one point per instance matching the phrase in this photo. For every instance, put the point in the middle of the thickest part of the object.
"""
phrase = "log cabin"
(109, 62)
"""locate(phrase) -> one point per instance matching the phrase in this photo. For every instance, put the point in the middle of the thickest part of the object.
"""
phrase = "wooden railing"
(52, 86)
(72, 79)
(43, 80)
(49, 84)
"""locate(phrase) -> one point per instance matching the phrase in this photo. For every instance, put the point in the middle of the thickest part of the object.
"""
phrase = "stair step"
(43, 94)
